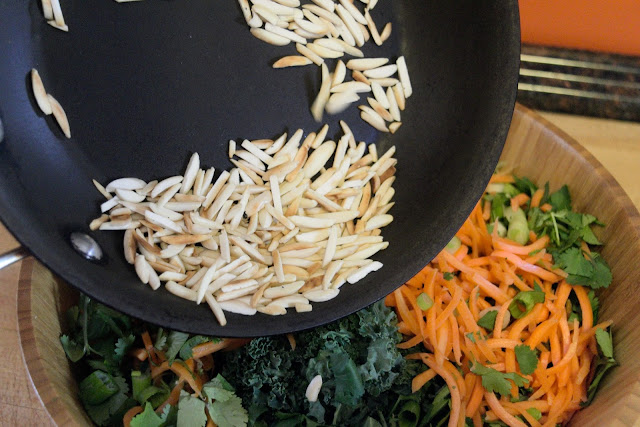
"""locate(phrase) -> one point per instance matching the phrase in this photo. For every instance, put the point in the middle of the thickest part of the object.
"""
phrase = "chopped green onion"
(518, 231)
(424, 301)
(517, 215)
(453, 245)
(524, 302)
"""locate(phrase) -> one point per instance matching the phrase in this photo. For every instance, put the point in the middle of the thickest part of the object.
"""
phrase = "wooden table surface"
(616, 144)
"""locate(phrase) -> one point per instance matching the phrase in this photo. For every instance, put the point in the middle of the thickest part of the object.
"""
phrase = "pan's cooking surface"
(146, 84)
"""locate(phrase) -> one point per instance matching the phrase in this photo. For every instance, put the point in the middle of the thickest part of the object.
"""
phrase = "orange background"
(597, 25)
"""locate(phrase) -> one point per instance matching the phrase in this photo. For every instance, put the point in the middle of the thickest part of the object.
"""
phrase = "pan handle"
(14, 255)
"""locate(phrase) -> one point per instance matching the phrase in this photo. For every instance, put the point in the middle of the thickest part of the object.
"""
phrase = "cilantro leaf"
(447, 275)
(561, 199)
(147, 418)
(535, 413)
(524, 185)
(73, 349)
(191, 411)
(496, 381)
(527, 359)
(605, 343)
(175, 341)
(122, 346)
(595, 305)
(573, 262)
(488, 321)
(102, 413)
(225, 408)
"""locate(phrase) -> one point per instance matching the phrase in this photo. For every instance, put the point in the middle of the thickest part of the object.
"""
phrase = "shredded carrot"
(488, 272)
(128, 416)
(184, 373)
(174, 395)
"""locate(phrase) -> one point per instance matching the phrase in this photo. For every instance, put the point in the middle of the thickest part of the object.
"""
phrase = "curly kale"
(364, 374)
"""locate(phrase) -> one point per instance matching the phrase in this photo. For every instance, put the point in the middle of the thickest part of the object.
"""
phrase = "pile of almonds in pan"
(292, 222)
(328, 29)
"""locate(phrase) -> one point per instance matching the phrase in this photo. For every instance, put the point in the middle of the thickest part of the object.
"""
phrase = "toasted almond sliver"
(172, 275)
(378, 221)
(393, 127)
(338, 102)
(273, 310)
(374, 120)
(284, 33)
(398, 91)
(238, 307)
(270, 37)
(292, 61)
(360, 273)
(190, 173)
(142, 268)
(394, 111)
(351, 24)
(403, 74)
(125, 184)
(353, 86)
(378, 108)
(57, 13)
(303, 308)
(47, 10)
(386, 32)
(283, 290)
(323, 95)
(324, 52)
(289, 301)
(372, 28)
(324, 13)
(60, 115)
(313, 57)
(363, 64)
(327, 4)
(381, 72)
(330, 250)
(180, 291)
(39, 92)
(321, 295)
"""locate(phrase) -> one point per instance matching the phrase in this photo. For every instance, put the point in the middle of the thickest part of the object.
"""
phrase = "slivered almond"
(385, 82)
(375, 35)
(360, 273)
(381, 72)
(378, 221)
(386, 32)
(351, 24)
(327, 4)
(282, 32)
(47, 10)
(321, 295)
(283, 290)
(185, 239)
(359, 77)
(190, 173)
(57, 13)
(366, 63)
(289, 301)
(238, 307)
(394, 111)
(393, 127)
(39, 93)
(270, 37)
(125, 184)
(378, 108)
(353, 86)
(142, 269)
(403, 74)
(292, 61)
(374, 120)
(380, 95)
(338, 102)
(324, 13)
(323, 95)
(399, 95)
(96, 223)
(324, 52)
(313, 57)
(60, 115)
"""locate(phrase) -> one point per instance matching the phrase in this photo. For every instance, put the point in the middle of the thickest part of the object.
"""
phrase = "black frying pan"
(145, 84)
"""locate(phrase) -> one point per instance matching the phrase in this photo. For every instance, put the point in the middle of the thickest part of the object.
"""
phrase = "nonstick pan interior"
(146, 84)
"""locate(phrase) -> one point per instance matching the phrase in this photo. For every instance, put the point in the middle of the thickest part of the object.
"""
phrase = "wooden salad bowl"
(536, 149)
